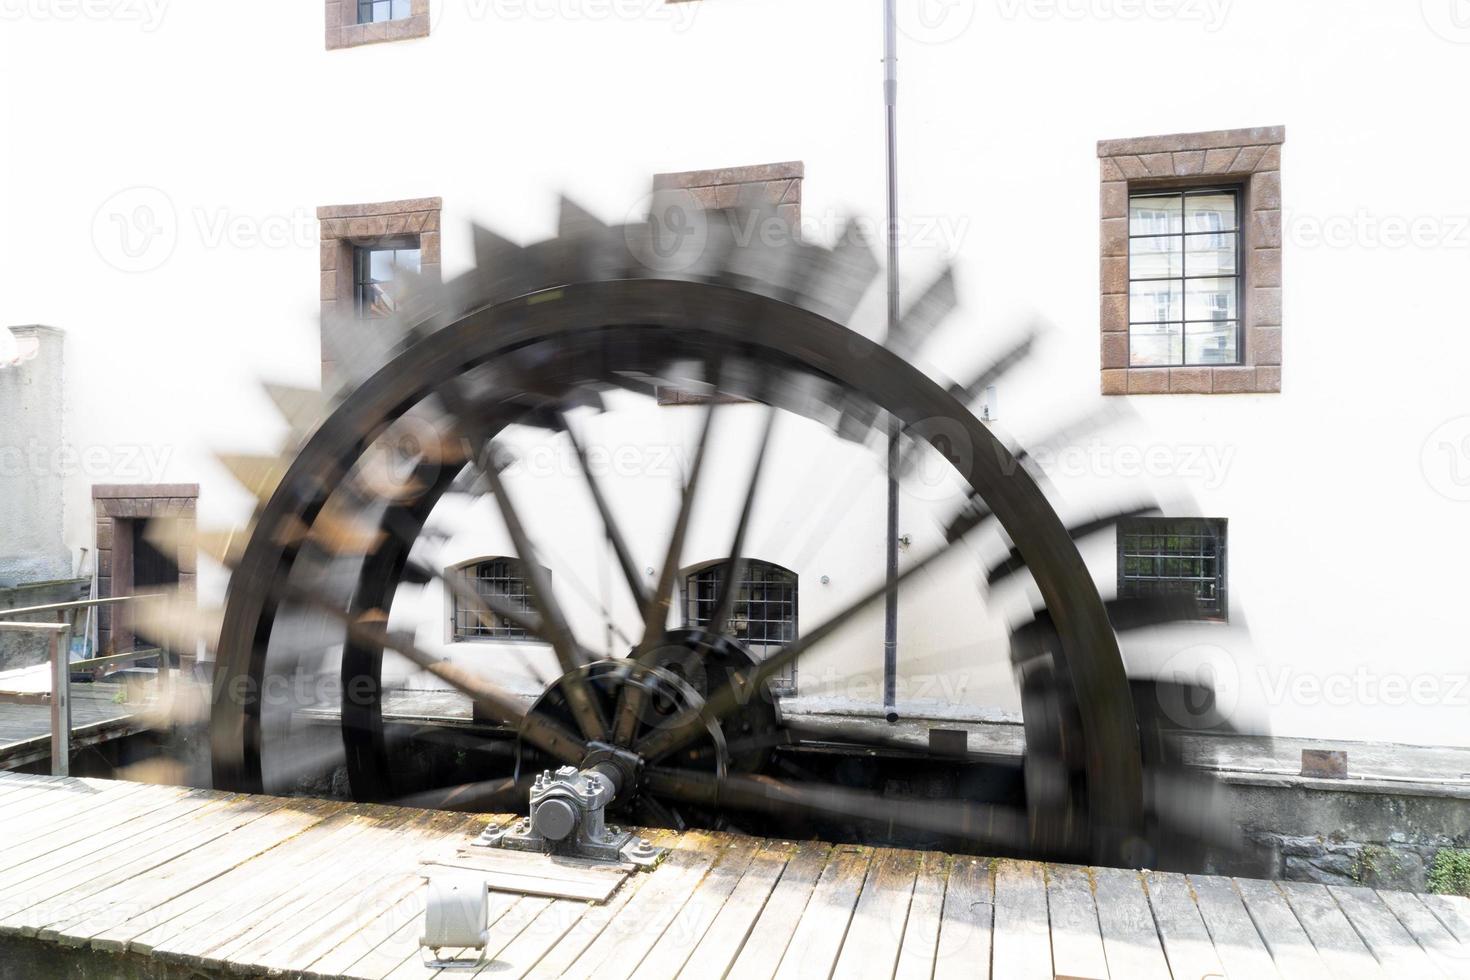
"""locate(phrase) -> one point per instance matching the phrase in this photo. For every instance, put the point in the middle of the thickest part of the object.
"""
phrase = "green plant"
(121, 697)
(1450, 873)
(1365, 865)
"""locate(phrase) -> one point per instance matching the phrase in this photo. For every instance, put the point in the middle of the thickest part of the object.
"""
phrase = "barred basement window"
(379, 11)
(504, 579)
(764, 613)
(375, 267)
(1184, 277)
(1163, 556)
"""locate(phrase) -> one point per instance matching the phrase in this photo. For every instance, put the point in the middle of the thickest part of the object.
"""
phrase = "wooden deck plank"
(1449, 954)
(1187, 944)
(120, 935)
(378, 949)
(330, 904)
(1238, 943)
(170, 842)
(44, 812)
(672, 949)
(1337, 942)
(1285, 938)
(1130, 938)
(782, 914)
(617, 950)
(1076, 937)
(1392, 946)
(378, 926)
(136, 901)
(1021, 943)
(1453, 912)
(31, 839)
(926, 910)
(232, 899)
(965, 924)
(263, 885)
(562, 934)
(726, 936)
(817, 941)
(875, 934)
(45, 873)
(284, 891)
(330, 926)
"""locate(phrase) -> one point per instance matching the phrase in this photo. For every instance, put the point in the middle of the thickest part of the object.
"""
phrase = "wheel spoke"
(656, 610)
(976, 822)
(748, 683)
(633, 697)
(537, 729)
(609, 522)
(735, 564)
(556, 629)
(491, 795)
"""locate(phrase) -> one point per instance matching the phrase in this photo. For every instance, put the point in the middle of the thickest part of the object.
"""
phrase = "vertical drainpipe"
(890, 611)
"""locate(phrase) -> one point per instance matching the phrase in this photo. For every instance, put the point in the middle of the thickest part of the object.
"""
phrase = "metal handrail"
(78, 604)
(61, 666)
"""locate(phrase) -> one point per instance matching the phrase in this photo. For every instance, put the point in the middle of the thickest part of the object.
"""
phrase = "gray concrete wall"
(32, 406)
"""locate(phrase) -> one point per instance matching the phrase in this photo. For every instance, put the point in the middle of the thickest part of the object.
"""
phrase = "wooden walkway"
(25, 729)
(166, 881)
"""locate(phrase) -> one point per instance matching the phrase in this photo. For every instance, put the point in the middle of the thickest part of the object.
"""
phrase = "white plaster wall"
(1344, 493)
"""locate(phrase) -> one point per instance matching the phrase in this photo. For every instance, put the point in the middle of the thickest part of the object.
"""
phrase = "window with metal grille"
(504, 579)
(1184, 277)
(375, 267)
(1174, 556)
(378, 11)
(763, 616)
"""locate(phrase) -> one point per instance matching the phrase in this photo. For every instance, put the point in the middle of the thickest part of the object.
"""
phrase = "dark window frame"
(466, 624)
(1133, 583)
(1238, 195)
(701, 591)
(362, 270)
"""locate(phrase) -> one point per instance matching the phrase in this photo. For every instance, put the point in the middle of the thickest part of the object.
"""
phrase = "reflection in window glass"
(377, 266)
(379, 11)
(1184, 278)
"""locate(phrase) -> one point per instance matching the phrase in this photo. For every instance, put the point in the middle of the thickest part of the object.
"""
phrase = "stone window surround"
(113, 502)
(775, 184)
(345, 227)
(343, 30)
(1250, 158)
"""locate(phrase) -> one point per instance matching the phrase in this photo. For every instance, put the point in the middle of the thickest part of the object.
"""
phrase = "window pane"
(400, 9)
(1211, 343)
(380, 265)
(364, 11)
(1209, 212)
(382, 10)
(1155, 302)
(1155, 344)
(1209, 255)
(1209, 299)
(1154, 258)
(1155, 215)
(407, 258)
